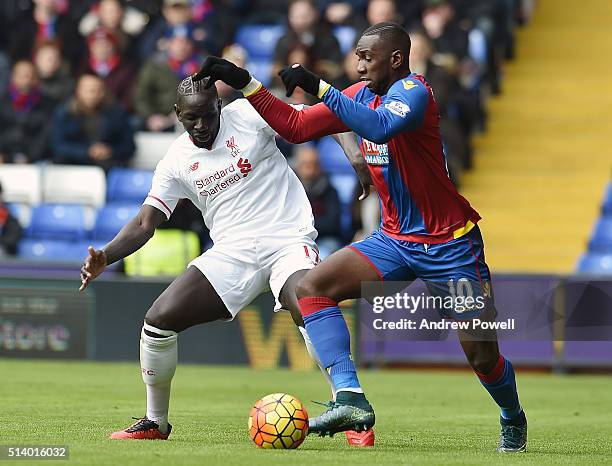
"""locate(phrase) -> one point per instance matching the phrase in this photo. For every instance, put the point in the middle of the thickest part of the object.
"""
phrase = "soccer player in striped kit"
(428, 229)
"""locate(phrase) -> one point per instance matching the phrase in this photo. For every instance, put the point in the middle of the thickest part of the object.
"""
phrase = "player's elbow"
(378, 137)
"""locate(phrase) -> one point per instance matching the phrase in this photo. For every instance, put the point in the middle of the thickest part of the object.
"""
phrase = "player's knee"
(308, 287)
(159, 316)
(482, 362)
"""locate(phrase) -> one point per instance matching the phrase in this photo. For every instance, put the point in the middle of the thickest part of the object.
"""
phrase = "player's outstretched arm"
(348, 142)
(130, 239)
(404, 108)
(296, 126)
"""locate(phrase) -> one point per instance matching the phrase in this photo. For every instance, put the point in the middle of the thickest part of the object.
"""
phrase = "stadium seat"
(150, 148)
(111, 218)
(52, 250)
(332, 158)
(607, 203)
(346, 37)
(167, 253)
(601, 239)
(596, 263)
(128, 185)
(262, 70)
(21, 183)
(22, 212)
(58, 221)
(259, 40)
(70, 184)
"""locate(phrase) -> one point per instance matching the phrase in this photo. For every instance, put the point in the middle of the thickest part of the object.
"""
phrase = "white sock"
(313, 355)
(158, 357)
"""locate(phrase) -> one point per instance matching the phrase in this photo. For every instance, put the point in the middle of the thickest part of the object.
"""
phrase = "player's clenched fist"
(297, 75)
(94, 265)
(217, 68)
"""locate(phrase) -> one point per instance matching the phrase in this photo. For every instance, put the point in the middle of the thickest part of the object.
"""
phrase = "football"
(278, 421)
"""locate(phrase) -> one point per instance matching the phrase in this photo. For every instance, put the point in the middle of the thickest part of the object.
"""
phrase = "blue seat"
(597, 263)
(601, 239)
(261, 69)
(128, 185)
(607, 203)
(111, 218)
(346, 37)
(332, 158)
(259, 40)
(52, 250)
(58, 221)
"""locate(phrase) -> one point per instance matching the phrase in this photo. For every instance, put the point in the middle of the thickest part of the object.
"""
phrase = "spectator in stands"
(238, 56)
(382, 10)
(306, 28)
(450, 42)
(323, 198)
(342, 12)
(179, 13)
(10, 230)
(155, 90)
(123, 23)
(449, 95)
(105, 60)
(90, 129)
(449, 39)
(45, 21)
(24, 117)
(56, 82)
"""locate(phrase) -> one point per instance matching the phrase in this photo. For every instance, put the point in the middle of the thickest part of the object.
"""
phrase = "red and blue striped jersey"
(399, 136)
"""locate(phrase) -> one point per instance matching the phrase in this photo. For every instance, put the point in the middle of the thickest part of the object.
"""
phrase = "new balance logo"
(244, 166)
(193, 167)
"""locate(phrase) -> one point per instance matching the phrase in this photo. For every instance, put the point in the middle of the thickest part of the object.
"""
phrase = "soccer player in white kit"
(259, 218)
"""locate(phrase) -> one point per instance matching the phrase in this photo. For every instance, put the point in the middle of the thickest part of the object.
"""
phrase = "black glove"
(219, 69)
(297, 75)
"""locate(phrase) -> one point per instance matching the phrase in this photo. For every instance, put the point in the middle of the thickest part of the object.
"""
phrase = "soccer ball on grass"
(278, 421)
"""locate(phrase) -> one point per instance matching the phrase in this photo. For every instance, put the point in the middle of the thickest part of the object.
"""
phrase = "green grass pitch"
(423, 417)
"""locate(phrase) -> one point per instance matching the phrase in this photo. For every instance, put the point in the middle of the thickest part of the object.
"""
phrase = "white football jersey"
(243, 186)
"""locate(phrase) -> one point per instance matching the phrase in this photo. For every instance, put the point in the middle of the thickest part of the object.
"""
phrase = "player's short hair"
(393, 34)
(190, 87)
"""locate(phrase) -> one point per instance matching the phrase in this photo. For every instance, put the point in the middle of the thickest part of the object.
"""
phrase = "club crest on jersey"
(375, 154)
(193, 167)
(231, 144)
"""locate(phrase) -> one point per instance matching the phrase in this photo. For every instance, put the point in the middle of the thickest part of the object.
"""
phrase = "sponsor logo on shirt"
(244, 166)
(398, 108)
(220, 180)
(231, 145)
(193, 167)
(375, 154)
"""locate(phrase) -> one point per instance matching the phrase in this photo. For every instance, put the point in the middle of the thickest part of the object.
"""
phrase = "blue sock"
(332, 342)
(501, 385)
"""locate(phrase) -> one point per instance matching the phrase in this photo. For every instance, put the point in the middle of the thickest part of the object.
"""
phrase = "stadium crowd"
(82, 77)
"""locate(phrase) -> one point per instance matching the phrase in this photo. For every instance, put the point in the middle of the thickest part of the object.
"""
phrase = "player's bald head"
(391, 35)
(188, 88)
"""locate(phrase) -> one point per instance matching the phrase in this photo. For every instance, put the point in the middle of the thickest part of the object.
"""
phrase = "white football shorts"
(241, 272)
